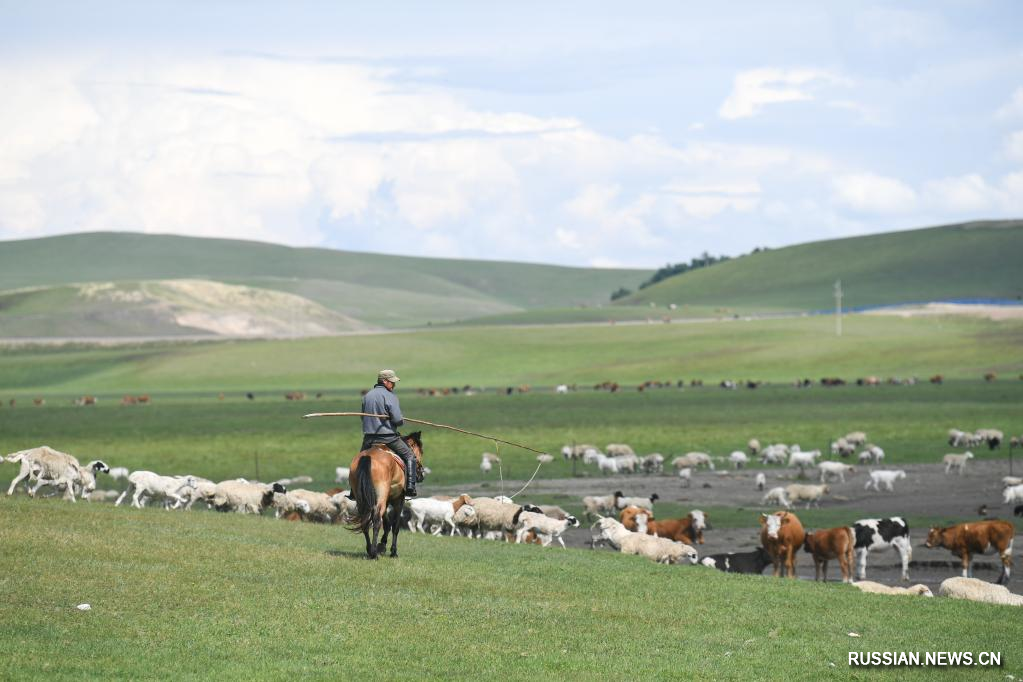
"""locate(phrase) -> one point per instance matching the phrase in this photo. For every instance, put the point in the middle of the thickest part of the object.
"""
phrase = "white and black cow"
(739, 562)
(874, 535)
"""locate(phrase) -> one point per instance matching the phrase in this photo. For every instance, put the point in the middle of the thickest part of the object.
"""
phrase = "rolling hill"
(979, 260)
(40, 293)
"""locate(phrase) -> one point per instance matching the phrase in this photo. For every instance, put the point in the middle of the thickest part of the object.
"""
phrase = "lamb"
(465, 518)
(831, 470)
(842, 448)
(626, 463)
(979, 590)
(1012, 494)
(286, 504)
(427, 511)
(321, 507)
(871, 453)
(546, 528)
(993, 437)
(244, 497)
(594, 506)
(738, 459)
(774, 454)
(877, 588)
(194, 489)
(694, 460)
(147, 483)
(761, 480)
(498, 516)
(621, 502)
(342, 474)
(958, 462)
(808, 493)
(776, 496)
(887, 477)
(544, 458)
(653, 463)
(661, 550)
(615, 449)
(958, 439)
(753, 446)
(803, 459)
(686, 474)
(856, 438)
(608, 465)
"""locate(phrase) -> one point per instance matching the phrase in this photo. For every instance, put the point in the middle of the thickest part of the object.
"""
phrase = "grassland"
(972, 260)
(770, 350)
(201, 596)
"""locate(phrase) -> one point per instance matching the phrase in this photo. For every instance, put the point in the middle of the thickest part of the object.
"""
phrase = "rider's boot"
(410, 477)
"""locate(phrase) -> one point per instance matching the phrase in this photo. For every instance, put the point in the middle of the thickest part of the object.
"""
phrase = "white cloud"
(1014, 146)
(1013, 108)
(870, 193)
(753, 90)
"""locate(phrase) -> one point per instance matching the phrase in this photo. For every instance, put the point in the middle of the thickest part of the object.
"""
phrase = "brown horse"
(377, 481)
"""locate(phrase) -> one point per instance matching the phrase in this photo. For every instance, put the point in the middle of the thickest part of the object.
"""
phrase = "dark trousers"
(401, 448)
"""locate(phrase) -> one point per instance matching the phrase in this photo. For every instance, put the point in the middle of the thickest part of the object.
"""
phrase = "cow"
(874, 535)
(966, 539)
(782, 534)
(833, 543)
(739, 562)
(688, 530)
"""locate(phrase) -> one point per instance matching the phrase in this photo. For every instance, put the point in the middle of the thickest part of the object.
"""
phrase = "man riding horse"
(382, 400)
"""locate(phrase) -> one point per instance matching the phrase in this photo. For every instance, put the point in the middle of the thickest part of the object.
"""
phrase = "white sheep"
(621, 502)
(595, 506)
(429, 512)
(286, 503)
(615, 449)
(753, 446)
(856, 438)
(342, 474)
(958, 439)
(832, 470)
(321, 507)
(1009, 481)
(627, 463)
(661, 550)
(546, 528)
(694, 460)
(803, 459)
(877, 588)
(886, 477)
(349, 507)
(608, 465)
(652, 463)
(738, 459)
(143, 484)
(776, 496)
(774, 454)
(494, 515)
(47, 466)
(686, 474)
(954, 461)
(544, 458)
(1012, 494)
(592, 455)
(806, 493)
(842, 448)
(244, 497)
(465, 518)
(761, 480)
(979, 590)
(118, 473)
(872, 454)
(194, 489)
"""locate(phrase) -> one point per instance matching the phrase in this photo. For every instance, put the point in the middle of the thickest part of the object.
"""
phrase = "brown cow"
(966, 539)
(629, 514)
(833, 543)
(782, 534)
(688, 530)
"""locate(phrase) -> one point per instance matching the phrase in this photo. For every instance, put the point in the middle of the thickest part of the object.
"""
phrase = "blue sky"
(575, 133)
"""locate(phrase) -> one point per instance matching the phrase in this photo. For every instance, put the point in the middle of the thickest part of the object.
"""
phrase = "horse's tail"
(364, 493)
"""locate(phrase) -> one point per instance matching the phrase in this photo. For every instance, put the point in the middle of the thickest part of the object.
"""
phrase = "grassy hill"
(378, 290)
(971, 260)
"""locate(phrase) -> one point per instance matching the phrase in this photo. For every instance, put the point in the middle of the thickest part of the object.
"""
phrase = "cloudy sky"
(579, 133)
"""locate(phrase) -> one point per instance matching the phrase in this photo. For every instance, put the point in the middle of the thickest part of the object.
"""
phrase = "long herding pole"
(421, 421)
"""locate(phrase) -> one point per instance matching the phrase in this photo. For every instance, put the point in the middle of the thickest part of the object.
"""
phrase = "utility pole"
(838, 307)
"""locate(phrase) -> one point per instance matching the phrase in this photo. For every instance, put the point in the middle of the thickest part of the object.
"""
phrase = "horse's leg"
(365, 531)
(395, 519)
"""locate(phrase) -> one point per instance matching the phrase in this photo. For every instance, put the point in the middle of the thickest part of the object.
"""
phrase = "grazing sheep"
(856, 438)
(761, 480)
(652, 463)
(494, 515)
(694, 460)
(661, 550)
(979, 590)
(832, 470)
(342, 474)
(244, 497)
(616, 449)
(686, 474)
(465, 518)
(544, 459)
(776, 496)
(1012, 494)
(842, 448)
(626, 463)
(774, 454)
(803, 459)
(321, 507)
(577, 451)
(753, 446)
(958, 462)
(595, 506)
(608, 465)
(811, 494)
(958, 439)
(621, 502)
(885, 476)
(993, 437)
(871, 453)
(286, 504)
(738, 459)
(545, 528)
(877, 588)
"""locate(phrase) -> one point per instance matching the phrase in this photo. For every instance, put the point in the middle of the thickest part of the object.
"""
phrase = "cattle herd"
(628, 524)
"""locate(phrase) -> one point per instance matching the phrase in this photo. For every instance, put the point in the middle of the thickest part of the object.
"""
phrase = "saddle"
(397, 458)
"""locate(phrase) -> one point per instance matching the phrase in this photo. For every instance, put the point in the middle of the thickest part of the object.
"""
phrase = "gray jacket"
(381, 401)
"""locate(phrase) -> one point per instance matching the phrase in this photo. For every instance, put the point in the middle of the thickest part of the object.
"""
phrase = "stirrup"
(410, 494)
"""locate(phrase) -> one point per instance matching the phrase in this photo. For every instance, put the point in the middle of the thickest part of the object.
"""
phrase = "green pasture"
(771, 350)
(222, 596)
(199, 434)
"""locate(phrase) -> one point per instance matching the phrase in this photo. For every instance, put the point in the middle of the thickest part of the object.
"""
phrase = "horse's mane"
(417, 438)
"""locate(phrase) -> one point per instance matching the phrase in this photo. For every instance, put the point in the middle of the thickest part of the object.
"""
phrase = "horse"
(377, 481)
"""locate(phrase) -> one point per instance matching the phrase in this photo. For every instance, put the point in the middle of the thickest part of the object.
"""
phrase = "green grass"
(610, 313)
(219, 440)
(971, 260)
(216, 596)
(771, 350)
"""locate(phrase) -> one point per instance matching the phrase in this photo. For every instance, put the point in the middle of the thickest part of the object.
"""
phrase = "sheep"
(554, 511)
(46, 466)
(626, 463)
(494, 515)
(297, 480)
(856, 438)
(958, 462)
(808, 493)
(957, 438)
(544, 458)
(1009, 481)
(147, 483)
(777, 496)
(614, 449)
(545, 527)
(652, 463)
(608, 465)
(577, 451)
(321, 507)
(871, 453)
(885, 476)
(592, 455)
(594, 506)
(244, 497)
(1013, 494)
(349, 507)
(830, 470)
(118, 473)
(738, 459)
(686, 474)
(465, 518)
(485, 465)
(993, 437)
(877, 588)
(621, 502)
(342, 474)
(426, 511)
(753, 446)
(193, 489)
(761, 480)
(803, 459)
(774, 454)
(286, 504)
(694, 460)
(979, 590)
(661, 550)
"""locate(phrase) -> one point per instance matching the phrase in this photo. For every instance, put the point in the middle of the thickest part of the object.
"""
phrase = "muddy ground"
(926, 491)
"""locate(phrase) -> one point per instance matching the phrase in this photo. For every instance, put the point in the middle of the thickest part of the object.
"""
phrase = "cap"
(387, 375)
